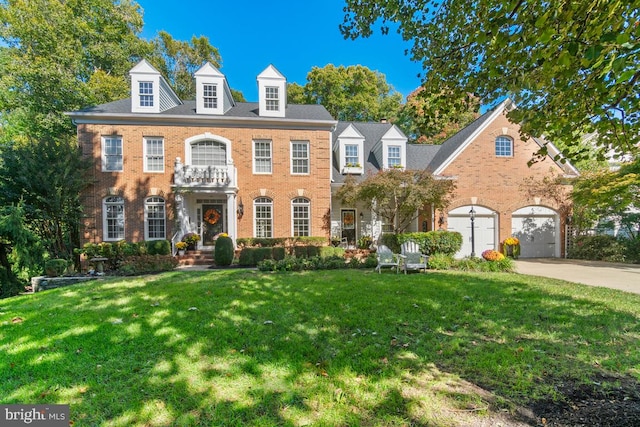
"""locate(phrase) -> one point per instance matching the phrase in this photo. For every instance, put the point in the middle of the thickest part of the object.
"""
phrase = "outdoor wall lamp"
(441, 220)
(240, 210)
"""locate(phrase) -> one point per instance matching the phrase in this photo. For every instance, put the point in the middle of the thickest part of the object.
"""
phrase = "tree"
(62, 56)
(353, 93)
(46, 178)
(177, 61)
(571, 67)
(428, 118)
(397, 195)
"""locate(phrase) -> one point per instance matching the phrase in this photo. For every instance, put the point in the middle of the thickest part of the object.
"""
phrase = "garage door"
(536, 229)
(484, 229)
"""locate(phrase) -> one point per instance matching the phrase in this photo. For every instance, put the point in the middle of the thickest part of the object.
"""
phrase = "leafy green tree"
(46, 177)
(353, 93)
(428, 118)
(178, 60)
(571, 67)
(60, 56)
(397, 195)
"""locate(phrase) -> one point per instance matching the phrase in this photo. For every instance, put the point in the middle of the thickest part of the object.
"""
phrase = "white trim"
(105, 231)
(309, 218)
(308, 158)
(145, 167)
(253, 156)
(207, 136)
(103, 157)
(146, 218)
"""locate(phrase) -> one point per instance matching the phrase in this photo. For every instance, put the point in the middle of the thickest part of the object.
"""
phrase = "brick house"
(164, 167)
(487, 160)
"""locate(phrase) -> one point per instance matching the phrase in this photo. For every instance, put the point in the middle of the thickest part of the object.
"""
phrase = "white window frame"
(149, 203)
(262, 157)
(349, 157)
(304, 163)
(272, 98)
(503, 142)
(397, 158)
(263, 202)
(119, 153)
(145, 94)
(147, 156)
(110, 221)
(210, 99)
(297, 220)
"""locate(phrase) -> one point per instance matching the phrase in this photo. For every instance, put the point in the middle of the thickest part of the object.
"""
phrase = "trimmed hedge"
(434, 242)
(144, 264)
(251, 242)
(223, 251)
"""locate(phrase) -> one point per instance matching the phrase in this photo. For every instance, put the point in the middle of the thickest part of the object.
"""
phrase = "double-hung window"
(262, 156)
(393, 156)
(146, 94)
(263, 217)
(112, 153)
(504, 146)
(351, 155)
(210, 94)
(272, 99)
(155, 218)
(153, 154)
(113, 217)
(301, 217)
(299, 157)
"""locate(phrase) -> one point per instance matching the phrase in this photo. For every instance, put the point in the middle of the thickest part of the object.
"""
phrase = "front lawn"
(338, 347)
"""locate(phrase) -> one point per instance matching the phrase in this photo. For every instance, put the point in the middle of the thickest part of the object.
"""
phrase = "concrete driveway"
(625, 277)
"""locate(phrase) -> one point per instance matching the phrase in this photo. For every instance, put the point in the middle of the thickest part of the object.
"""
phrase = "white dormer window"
(393, 156)
(146, 94)
(350, 147)
(210, 95)
(271, 98)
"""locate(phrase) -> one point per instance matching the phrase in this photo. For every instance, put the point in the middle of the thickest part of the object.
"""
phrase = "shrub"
(158, 247)
(435, 242)
(329, 251)
(300, 251)
(144, 264)
(278, 253)
(390, 240)
(632, 250)
(246, 257)
(313, 251)
(598, 248)
(354, 263)
(55, 267)
(440, 261)
(370, 261)
(223, 251)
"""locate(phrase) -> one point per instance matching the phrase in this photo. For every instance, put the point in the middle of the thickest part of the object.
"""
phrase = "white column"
(232, 217)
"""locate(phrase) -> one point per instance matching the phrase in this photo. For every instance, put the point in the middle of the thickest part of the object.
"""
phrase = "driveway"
(624, 277)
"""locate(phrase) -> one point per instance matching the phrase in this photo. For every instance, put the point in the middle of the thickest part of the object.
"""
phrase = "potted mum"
(191, 239)
(511, 247)
(181, 247)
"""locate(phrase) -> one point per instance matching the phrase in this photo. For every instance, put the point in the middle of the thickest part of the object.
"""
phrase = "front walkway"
(624, 277)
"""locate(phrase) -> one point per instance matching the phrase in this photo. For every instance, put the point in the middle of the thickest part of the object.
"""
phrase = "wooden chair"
(412, 258)
(386, 258)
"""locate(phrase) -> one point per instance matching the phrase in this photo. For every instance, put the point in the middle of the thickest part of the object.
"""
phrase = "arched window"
(154, 218)
(301, 216)
(113, 218)
(263, 217)
(504, 146)
(208, 153)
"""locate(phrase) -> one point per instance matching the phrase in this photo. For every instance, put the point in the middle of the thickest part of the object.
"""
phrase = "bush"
(223, 251)
(55, 267)
(390, 240)
(440, 262)
(246, 257)
(300, 251)
(434, 242)
(598, 248)
(479, 264)
(278, 253)
(158, 247)
(370, 261)
(329, 251)
(144, 264)
(632, 250)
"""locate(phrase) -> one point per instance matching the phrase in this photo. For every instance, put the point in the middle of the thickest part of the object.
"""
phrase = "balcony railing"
(207, 176)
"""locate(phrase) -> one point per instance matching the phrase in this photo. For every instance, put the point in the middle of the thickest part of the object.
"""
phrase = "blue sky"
(294, 36)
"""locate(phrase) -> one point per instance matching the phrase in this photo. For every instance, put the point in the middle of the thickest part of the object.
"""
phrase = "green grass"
(326, 348)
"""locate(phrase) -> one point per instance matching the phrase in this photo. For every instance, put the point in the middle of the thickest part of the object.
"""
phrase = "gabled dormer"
(391, 150)
(213, 95)
(349, 149)
(150, 92)
(272, 93)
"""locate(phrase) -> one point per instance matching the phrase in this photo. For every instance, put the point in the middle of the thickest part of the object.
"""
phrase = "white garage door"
(536, 229)
(484, 229)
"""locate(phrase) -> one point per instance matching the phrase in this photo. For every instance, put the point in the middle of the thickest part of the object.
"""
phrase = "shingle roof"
(240, 110)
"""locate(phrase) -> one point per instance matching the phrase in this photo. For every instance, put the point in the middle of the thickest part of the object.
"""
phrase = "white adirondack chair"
(412, 258)
(386, 258)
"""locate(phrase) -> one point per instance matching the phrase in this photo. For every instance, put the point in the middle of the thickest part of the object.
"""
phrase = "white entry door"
(484, 229)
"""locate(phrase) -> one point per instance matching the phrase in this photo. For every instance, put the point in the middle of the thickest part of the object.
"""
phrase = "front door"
(212, 222)
(349, 225)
